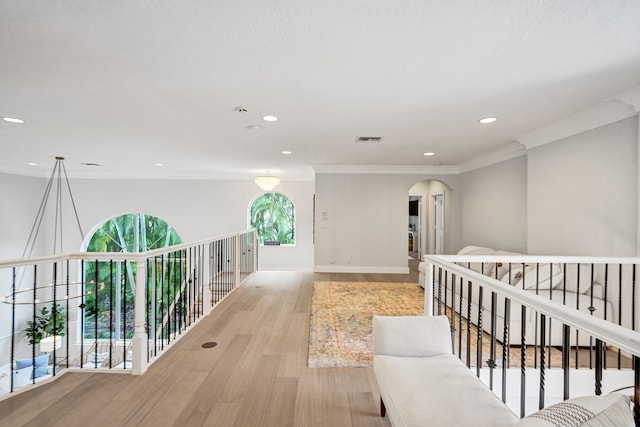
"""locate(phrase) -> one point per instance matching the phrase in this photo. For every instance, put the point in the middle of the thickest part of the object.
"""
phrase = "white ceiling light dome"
(267, 182)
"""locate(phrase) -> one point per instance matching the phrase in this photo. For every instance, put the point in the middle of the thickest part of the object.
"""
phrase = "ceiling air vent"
(368, 139)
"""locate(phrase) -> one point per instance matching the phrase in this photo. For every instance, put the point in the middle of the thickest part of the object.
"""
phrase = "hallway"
(255, 376)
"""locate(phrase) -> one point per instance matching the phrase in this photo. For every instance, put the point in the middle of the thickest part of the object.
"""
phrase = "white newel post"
(428, 289)
(238, 254)
(139, 362)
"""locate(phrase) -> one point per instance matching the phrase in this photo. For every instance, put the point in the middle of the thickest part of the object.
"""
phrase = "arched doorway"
(429, 207)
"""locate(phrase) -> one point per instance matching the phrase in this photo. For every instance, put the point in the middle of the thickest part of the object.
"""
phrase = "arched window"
(109, 314)
(273, 217)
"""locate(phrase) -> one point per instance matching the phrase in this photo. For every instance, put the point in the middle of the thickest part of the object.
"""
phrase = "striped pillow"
(596, 411)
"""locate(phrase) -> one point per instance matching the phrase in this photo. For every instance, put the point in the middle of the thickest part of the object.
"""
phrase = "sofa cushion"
(411, 335)
(502, 268)
(542, 276)
(437, 391)
(611, 410)
(486, 268)
(575, 271)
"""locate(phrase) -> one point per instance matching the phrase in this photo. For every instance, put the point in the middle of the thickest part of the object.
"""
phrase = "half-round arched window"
(108, 310)
(273, 217)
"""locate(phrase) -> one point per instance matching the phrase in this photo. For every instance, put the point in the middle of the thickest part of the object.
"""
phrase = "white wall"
(582, 193)
(494, 206)
(196, 209)
(20, 198)
(361, 221)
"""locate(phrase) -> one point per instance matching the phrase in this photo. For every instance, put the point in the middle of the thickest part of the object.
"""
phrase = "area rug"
(341, 316)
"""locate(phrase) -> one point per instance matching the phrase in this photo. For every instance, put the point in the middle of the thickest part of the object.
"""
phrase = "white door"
(438, 222)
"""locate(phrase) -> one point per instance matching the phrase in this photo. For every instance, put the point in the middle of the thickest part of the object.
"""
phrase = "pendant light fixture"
(267, 182)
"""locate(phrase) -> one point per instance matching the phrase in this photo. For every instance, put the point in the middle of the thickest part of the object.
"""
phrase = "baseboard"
(359, 269)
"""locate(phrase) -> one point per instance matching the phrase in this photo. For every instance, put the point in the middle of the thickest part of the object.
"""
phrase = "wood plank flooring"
(257, 375)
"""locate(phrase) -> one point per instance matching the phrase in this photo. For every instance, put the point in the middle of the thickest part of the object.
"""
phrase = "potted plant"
(47, 323)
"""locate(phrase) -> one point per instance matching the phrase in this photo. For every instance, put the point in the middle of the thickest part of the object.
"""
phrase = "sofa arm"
(411, 336)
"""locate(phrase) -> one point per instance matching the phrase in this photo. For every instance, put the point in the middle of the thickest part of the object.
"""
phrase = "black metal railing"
(542, 350)
(108, 318)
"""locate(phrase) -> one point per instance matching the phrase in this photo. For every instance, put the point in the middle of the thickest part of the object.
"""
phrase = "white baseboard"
(359, 269)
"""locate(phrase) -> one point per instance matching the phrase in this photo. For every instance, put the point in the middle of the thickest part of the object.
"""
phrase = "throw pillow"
(41, 371)
(611, 410)
(37, 362)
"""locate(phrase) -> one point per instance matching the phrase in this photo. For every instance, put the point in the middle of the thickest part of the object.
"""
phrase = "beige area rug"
(581, 357)
(340, 328)
(341, 316)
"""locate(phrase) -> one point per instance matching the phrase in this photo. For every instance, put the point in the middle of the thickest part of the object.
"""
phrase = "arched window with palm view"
(273, 217)
(108, 306)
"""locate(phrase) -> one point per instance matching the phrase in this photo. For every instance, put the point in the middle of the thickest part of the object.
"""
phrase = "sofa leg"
(383, 410)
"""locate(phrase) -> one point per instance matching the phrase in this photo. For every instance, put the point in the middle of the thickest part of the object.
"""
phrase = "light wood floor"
(255, 376)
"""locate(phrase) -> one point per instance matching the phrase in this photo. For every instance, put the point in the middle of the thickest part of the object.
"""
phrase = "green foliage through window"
(110, 287)
(273, 217)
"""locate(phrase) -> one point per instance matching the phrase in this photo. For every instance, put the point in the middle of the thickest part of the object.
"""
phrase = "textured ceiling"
(128, 84)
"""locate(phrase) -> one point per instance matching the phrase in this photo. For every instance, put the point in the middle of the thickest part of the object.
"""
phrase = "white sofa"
(422, 383)
(545, 280)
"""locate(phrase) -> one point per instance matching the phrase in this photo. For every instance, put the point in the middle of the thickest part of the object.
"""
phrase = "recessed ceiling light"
(12, 120)
(254, 127)
(32, 164)
(488, 120)
(269, 118)
(286, 152)
(159, 164)
(429, 154)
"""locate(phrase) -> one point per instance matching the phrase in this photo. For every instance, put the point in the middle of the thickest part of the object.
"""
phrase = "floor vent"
(368, 139)
(209, 344)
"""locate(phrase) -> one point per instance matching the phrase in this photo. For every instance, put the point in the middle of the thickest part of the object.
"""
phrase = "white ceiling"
(128, 84)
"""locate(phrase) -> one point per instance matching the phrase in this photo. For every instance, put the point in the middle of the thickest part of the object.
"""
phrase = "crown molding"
(630, 97)
(515, 149)
(386, 170)
(606, 112)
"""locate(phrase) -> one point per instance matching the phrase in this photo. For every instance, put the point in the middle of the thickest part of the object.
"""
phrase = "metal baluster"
(591, 310)
(492, 352)
(13, 323)
(636, 389)
(566, 349)
(469, 297)
(440, 294)
(67, 319)
(619, 308)
(543, 325)
(479, 334)
(523, 358)
(95, 314)
(599, 362)
(460, 320)
(505, 347)
(82, 307)
(606, 298)
(633, 297)
(577, 308)
(111, 298)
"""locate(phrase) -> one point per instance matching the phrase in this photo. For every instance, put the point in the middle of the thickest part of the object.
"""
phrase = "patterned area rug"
(341, 315)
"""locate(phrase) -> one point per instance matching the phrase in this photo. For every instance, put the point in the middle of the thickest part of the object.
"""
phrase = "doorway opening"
(427, 211)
